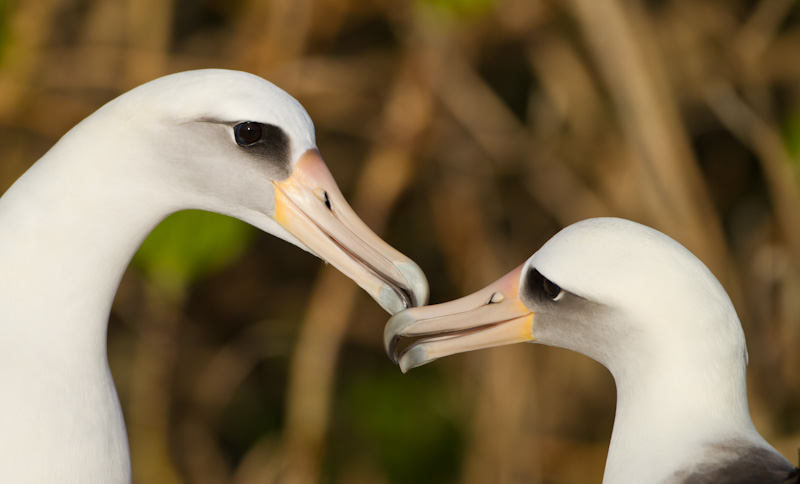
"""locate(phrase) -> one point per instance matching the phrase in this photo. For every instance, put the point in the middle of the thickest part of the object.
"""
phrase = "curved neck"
(69, 232)
(669, 411)
(68, 229)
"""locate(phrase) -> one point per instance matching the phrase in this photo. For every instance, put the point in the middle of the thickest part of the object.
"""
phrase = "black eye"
(550, 288)
(248, 133)
(542, 287)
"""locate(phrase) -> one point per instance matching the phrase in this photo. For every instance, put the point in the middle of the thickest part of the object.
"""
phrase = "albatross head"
(233, 143)
(621, 293)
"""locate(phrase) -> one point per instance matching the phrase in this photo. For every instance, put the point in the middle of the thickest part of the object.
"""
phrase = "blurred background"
(466, 133)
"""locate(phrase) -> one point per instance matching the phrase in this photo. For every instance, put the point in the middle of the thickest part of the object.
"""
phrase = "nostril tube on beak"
(323, 197)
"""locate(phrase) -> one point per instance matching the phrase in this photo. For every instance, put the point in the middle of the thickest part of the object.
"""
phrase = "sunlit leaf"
(460, 9)
(189, 245)
(5, 31)
(791, 136)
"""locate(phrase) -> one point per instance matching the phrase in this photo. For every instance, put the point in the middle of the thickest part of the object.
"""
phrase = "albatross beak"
(310, 206)
(493, 316)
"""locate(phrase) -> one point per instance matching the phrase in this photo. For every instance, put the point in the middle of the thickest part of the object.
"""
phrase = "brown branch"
(617, 36)
(764, 140)
(386, 175)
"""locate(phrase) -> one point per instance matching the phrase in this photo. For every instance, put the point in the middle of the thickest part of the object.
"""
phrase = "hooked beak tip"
(414, 357)
(411, 292)
(416, 282)
(392, 299)
(393, 331)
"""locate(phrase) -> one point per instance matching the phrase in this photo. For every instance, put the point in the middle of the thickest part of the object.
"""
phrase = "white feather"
(70, 225)
(677, 353)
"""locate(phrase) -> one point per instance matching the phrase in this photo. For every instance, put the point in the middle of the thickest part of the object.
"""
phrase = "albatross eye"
(248, 133)
(550, 288)
(542, 287)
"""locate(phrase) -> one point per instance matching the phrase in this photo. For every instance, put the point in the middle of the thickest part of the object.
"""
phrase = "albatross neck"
(670, 407)
(70, 226)
(68, 229)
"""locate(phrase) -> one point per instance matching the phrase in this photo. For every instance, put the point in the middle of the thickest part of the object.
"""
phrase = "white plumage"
(642, 305)
(215, 140)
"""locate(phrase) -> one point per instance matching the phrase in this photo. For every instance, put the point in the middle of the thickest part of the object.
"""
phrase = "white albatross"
(647, 309)
(216, 140)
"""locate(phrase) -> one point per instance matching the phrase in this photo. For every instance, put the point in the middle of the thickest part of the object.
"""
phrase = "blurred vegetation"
(189, 246)
(466, 133)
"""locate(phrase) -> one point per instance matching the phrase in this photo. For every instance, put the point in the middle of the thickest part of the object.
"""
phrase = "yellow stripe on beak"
(311, 207)
(493, 316)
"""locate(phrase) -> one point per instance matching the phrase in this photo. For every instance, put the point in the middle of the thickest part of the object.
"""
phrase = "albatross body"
(643, 306)
(222, 141)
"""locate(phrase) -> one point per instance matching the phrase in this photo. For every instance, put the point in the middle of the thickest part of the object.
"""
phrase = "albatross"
(643, 306)
(215, 140)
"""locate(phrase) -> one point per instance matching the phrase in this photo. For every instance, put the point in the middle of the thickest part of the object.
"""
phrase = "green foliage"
(190, 245)
(5, 27)
(460, 9)
(791, 136)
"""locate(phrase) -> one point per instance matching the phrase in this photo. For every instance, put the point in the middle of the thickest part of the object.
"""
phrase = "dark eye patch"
(539, 287)
(264, 141)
